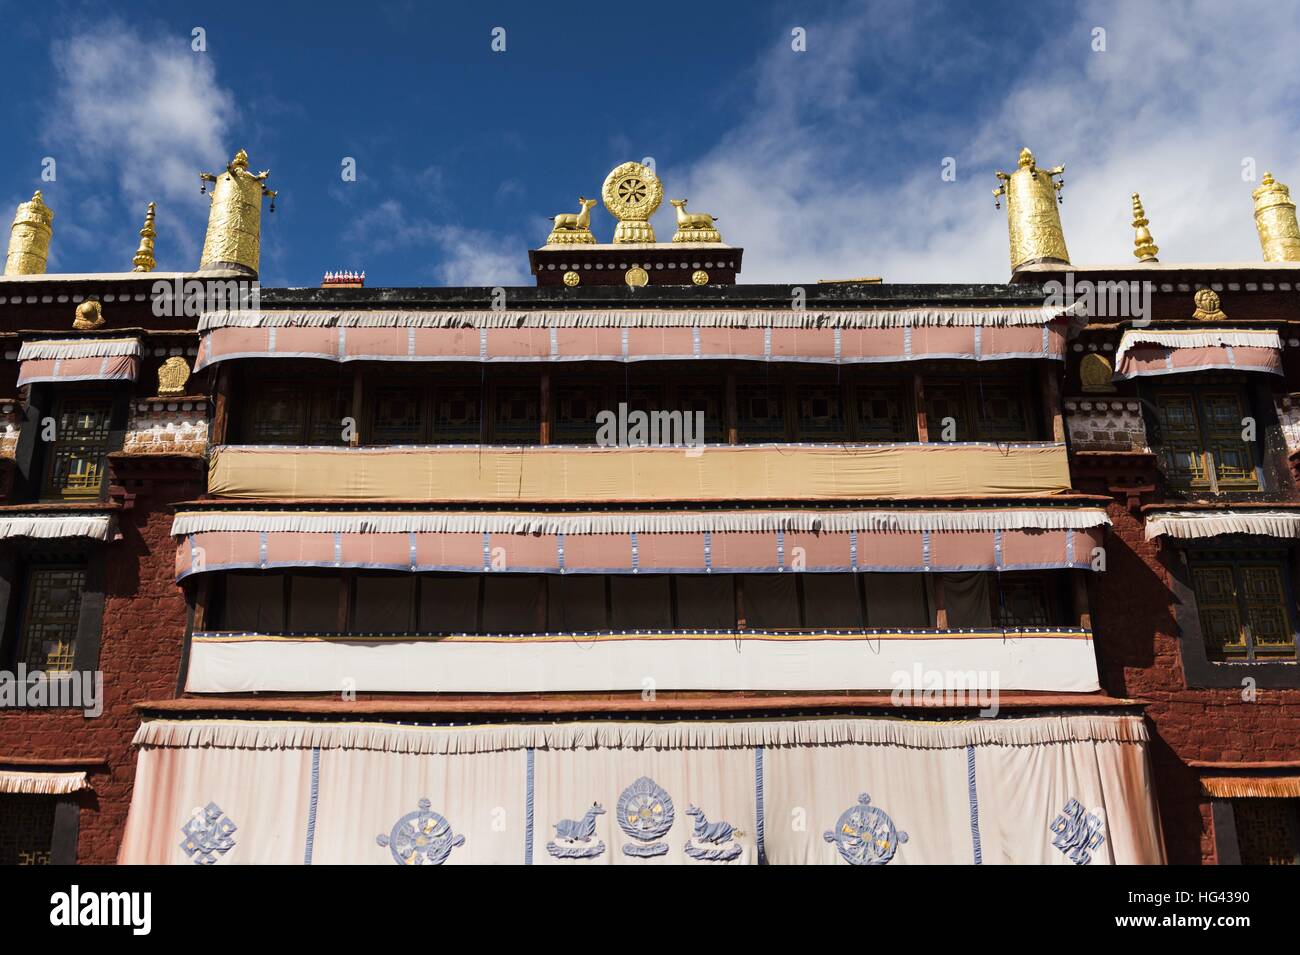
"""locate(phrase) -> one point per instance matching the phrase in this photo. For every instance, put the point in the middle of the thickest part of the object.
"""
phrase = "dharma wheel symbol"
(421, 838)
(866, 835)
(631, 191)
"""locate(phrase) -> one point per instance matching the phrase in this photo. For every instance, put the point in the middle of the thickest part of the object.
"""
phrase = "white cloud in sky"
(1169, 110)
(136, 115)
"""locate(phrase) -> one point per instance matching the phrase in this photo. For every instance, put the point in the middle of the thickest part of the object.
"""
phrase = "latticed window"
(52, 608)
(1021, 603)
(884, 412)
(1244, 609)
(26, 829)
(821, 416)
(397, 415)
(456, 414)
(576, 407)
(78, 455)
(705, 397)
(1268, 831)
(300, 413)
(1200, 440)
(979, 409)
(517, 414)
(762, 411)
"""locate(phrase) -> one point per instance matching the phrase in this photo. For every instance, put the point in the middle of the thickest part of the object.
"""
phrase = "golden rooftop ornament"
(632, 193)
(1033, 222)
(1144, 247)
(29, 237)
(1279, 235)
(573, 228)
(694, 226)
(235, 219)
(144, 260)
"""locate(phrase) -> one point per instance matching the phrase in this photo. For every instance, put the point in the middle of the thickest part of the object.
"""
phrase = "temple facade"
(645, 565)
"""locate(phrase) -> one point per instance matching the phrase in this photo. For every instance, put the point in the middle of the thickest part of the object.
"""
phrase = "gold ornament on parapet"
(636, 276)
(1275, 220)
(1033, 222)
(1095, 373)
(144, 260)
(89, 316)
(173, 375)
(694, 226)
(29, 237)
(1144, 247)
(700, 277)
(572, 278)
(1207, 306)
(573, 228)
(234, 237)
(632, 193)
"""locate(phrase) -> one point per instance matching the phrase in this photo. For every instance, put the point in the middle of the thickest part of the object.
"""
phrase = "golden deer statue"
(574, 227)
(694, 226)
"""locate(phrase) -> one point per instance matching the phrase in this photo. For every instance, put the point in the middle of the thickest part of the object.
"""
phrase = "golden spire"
(144, 260)
(234, 236)
(1279, 236)
(1144, 247)
(29, 238)
(1033, 223)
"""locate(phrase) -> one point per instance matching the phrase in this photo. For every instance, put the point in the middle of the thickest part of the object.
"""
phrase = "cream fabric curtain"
(868, 791)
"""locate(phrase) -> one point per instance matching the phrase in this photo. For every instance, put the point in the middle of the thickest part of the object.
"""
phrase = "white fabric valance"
(43, 526)
(1190, 525)
(1198, 338)
(14, 782)
(808, 521)
(80, 348)
(632, 318)
(441, 740)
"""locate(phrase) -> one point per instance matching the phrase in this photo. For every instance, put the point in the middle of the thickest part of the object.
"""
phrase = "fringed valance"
(14, 782)
(427, 740)
(79, 359)
(1144, 352)
(1251, 787)
(635, 318)
(631, 522)
(1190, 525)
(43, 526)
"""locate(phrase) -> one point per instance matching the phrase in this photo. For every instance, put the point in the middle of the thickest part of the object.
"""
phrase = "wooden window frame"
(1236, 562)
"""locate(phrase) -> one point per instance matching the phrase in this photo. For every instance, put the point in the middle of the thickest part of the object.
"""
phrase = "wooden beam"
(1053, 419)
(740, 601)
(220, 405)
(358, 405)
(545, 409)
(918, 398)
(732, 410)
(940, 607)
(1079, 591)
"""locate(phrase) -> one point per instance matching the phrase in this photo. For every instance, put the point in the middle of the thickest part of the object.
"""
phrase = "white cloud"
(808, 180)
(137, 116)
(472, 257)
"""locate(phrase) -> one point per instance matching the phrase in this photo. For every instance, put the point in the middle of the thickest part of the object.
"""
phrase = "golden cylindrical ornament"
(29, 238)
(1279, 235)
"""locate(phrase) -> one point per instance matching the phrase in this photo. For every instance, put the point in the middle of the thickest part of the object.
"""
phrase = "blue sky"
(824, 163)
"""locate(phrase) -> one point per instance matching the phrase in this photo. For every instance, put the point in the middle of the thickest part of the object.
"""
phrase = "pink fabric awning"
(1182, 351)
(949, 540)
(636, 335)
(79, 359)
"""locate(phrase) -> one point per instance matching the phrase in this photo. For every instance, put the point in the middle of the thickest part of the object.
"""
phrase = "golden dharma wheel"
(572, 278)
(700, 277)
(636, 276)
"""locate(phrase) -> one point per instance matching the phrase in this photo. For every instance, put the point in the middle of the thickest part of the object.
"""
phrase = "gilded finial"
(29, 237)
(1033, 222)
(234, 235)
(1275, 220)
(144, 260)
(1144, 247)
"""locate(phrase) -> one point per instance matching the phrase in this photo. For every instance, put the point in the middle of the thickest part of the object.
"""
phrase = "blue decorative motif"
(208, 835)
(712, 841)
(421, 838)
(573, 837)
(645, 813)
(866, 835)
(1078, 833)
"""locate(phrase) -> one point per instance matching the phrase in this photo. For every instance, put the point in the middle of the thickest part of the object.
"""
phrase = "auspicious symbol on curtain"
(712, 841)
(573, 837)
(208, 835)
(866, 835)
(421, 838)
(1078, 833)
(645, 813)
